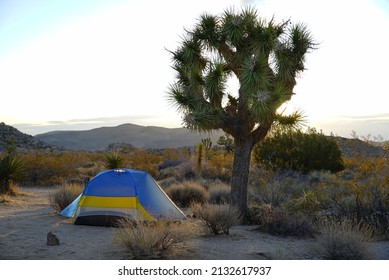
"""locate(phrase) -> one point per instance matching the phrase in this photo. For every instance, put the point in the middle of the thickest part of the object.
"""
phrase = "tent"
(118, 193)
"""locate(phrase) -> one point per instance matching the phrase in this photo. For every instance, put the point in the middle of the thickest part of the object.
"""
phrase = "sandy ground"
(26, 220)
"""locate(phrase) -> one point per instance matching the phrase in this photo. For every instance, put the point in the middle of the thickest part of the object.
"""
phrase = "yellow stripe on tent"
(108, 202)
(114, 202)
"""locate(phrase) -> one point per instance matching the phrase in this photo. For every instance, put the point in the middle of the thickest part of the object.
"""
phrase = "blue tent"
(118, 193)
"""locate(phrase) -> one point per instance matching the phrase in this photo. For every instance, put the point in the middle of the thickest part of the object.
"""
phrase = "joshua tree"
(264, 56)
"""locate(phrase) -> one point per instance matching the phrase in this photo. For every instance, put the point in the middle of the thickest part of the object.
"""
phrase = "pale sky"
(80, 64)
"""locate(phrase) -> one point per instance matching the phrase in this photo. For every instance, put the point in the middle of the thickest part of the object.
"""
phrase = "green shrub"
(219, 218)
(344, 241)
(303, 152)
(187, 193)
(65, 195)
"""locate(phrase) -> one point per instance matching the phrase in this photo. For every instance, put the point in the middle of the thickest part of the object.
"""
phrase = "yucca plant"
(113, 161)
(11, 170)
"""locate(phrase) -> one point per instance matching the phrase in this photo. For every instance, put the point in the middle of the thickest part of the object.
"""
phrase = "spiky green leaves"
(208, 31)
(190, 53)
(265, 103)
(255, 73)
(233, 28)
(203, 119)
(290, 51)
(11, 169)
(291, 121)
(264, 57)
(215, 83)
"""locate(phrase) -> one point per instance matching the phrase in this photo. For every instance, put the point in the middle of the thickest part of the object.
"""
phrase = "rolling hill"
(146, 137)
(20, 140)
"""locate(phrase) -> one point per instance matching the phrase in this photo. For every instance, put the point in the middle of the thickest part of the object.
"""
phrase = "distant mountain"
(136, 135)
(128, 136)
(357, 147)
(20, 140)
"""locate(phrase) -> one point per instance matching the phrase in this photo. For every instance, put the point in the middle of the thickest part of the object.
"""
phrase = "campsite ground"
(27, 218)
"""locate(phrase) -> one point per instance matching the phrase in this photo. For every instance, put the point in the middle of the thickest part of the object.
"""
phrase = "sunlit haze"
(80, 64)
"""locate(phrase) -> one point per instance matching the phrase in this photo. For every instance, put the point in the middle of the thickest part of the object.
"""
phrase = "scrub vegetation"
(282, 201)
(65, 195)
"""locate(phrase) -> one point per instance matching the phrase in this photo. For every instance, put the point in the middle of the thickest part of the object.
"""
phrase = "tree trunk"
(240, 174)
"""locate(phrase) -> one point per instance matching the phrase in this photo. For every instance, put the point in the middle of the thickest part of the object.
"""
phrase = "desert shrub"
(167, 182)
(169, 163)
(65, 195)
(344, 241)
(281, 221)
(187, 193)
(303, 152)
(169, 172)
(11, 170)
(219, 218)
(113, 161)
(362, 202)
(173, 154)
(185, 170)
(364, 199)
(51, 168)
(4, 198)
(180, 169)
(219, 193)
(152, 239)
(278, 188)
(218, 166)
(144, 160)
(275, 192)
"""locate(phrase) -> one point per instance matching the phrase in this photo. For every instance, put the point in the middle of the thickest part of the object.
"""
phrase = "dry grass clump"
(186, 193)
(279, 188)
(153, 239)
(4, 198)
(219, 193)
(344, 241)
(219, 218)
(280, 221)
(65, 195)
(167, 182)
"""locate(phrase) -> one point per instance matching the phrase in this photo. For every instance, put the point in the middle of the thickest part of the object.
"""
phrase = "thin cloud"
(249, 2)
(366, 118)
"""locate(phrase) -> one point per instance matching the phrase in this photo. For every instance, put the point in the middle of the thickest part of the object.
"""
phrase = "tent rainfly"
(118, 193)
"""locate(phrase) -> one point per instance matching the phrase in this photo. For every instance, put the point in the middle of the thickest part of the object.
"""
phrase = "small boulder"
(52, 239)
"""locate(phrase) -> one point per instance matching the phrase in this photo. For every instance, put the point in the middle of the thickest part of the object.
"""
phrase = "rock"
(52, 239)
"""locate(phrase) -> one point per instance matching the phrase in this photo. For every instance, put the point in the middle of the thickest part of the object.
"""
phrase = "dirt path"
(25, 222)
